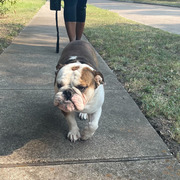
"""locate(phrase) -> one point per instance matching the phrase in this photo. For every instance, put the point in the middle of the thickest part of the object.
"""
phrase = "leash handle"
(57, 29)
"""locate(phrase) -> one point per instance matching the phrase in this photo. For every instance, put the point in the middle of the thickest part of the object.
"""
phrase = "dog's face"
(75, 84)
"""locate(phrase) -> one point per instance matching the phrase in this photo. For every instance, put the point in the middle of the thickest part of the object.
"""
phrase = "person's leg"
(79, 30)
(70, 18)
(81, 17)
(71, 30)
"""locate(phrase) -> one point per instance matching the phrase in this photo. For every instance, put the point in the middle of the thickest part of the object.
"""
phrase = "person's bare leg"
(79, 30)
(71, 30)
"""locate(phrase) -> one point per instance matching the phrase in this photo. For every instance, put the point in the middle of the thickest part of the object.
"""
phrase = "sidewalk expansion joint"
(87, 161)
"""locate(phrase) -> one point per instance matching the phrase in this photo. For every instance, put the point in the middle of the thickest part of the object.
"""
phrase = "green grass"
(16, 18)
(175, 3)
(146, 60)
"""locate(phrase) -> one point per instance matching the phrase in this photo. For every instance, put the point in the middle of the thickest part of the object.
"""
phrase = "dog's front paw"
(83, 116)
(74, 135)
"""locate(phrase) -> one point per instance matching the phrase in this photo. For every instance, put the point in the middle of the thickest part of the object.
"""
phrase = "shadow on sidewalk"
(28, 115)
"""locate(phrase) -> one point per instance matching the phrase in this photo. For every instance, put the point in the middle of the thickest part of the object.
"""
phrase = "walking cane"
(56, 5)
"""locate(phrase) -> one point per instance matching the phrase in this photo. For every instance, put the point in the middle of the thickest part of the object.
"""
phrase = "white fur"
(73, 57)
(83, 116)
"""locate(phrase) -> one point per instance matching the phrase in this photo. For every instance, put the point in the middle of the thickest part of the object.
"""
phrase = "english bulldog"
(79, 87)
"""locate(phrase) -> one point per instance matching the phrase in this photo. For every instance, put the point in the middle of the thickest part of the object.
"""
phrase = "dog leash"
(56, 5)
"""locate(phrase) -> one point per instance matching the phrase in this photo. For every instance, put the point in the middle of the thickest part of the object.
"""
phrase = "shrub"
(5, 5)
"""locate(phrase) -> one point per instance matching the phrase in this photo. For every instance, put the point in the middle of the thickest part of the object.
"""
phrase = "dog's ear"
(58, 67)
(98, 77)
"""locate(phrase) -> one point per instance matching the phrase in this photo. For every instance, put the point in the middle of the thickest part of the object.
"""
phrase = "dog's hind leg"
(90, 129)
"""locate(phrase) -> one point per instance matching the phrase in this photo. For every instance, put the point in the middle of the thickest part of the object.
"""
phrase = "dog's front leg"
(90, 129)
(74, 133)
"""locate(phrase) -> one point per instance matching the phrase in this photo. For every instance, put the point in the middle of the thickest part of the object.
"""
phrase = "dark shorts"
(75, 10)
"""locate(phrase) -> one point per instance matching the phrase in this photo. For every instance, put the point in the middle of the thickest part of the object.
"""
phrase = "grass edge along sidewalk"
(15, 19)
(146, 61)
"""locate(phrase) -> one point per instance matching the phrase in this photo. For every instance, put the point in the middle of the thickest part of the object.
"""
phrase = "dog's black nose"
(68, 94)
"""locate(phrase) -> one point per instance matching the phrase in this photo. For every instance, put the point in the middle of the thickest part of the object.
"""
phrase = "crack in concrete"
(87, 161)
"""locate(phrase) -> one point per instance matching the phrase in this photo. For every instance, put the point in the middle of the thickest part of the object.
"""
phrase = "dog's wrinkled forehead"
(71, 73)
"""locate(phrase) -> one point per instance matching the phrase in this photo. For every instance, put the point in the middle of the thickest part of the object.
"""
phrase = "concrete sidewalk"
(33, 143)
(162, 17)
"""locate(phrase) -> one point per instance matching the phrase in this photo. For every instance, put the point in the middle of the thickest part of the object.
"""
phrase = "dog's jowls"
(79, 88)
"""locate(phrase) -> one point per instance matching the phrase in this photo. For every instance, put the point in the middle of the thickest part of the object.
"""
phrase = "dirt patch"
(163, 127)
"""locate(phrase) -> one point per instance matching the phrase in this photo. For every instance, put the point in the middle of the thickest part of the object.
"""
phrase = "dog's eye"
(82, 88)
(59, 86)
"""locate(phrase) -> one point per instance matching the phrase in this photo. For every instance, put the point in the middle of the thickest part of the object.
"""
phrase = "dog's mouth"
(68, 94)
(75, 103)
(67, 106)
(67, 102)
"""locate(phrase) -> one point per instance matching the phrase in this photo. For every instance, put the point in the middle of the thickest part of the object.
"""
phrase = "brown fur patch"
(87, 78)
(75, 68)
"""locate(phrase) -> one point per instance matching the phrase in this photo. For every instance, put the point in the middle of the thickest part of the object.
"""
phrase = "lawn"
(13, 21)
(146, 61)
